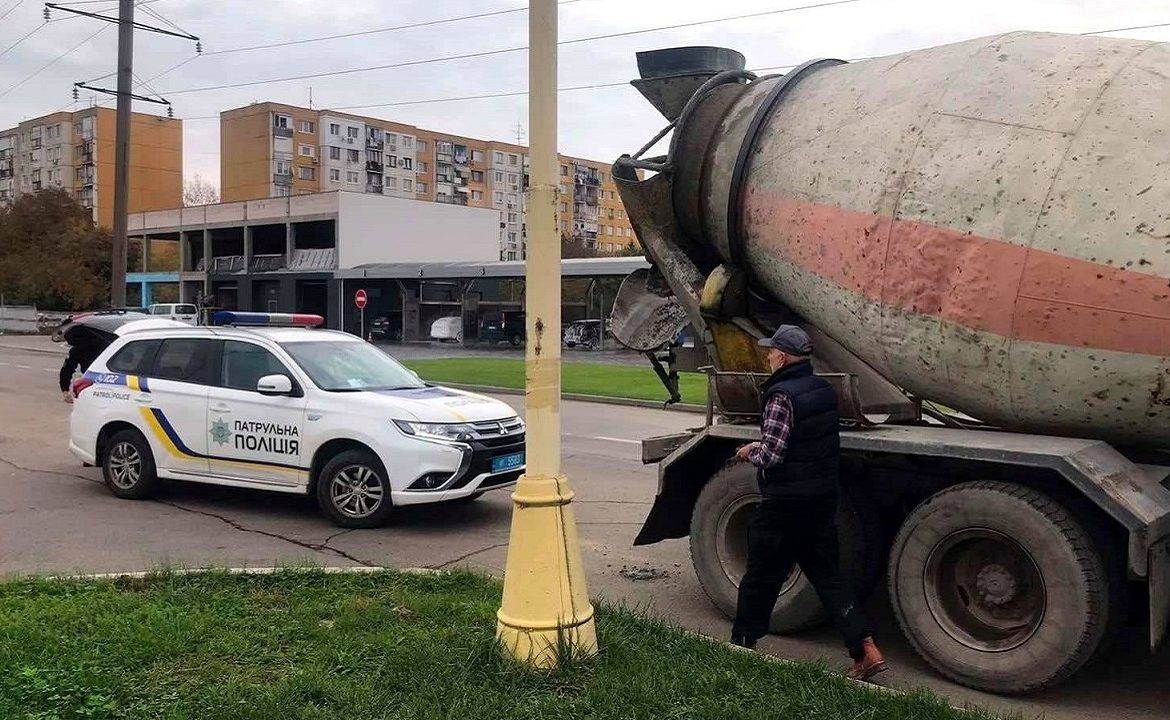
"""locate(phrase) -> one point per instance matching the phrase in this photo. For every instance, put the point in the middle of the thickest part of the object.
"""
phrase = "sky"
(36, 76)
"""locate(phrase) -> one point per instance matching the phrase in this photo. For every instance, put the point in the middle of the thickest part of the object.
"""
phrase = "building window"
(351, 177)
(422, 147)
(407, 184)
(308, 151)
(392, 161)
(512, 159)
(422, 188)
(352, 156)
(512, 199)
(565, 226)
(284, 167)
(476, 176)
(334, 129)
(392, 139)
(499, 158)
(512, 217)
(407, 142)
(444, 147)
(499, 176)
(564, 170)
(334, 153)
(499, 198)
(334, 175)
(562, 189)
(308, 126)
(308, 173)
(422, 166)
(282, 190)
(281, 121)
(629, 232)
(564, 207)
(476, 156)
(609, 230)
(407, 163)
(351, 131)
(476, 195)
(392, 183)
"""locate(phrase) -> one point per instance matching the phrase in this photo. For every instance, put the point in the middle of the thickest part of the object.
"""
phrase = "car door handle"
(144, 399)
(221, 409)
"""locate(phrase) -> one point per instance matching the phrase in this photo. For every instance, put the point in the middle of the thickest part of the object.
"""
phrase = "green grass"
(633, 382)
(303, 644)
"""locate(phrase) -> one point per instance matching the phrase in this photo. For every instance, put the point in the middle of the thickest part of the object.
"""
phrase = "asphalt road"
(56, 516)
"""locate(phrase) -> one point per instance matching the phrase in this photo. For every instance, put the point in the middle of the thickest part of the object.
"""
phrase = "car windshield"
(350, 366)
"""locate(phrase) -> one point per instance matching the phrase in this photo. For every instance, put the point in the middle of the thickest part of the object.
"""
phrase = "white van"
(182, 312)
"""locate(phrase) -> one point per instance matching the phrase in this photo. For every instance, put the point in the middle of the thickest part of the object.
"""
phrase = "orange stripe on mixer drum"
(977, 282)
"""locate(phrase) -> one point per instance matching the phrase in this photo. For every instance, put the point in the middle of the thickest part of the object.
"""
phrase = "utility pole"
(545, 609)
(122, 151)
(126, 97)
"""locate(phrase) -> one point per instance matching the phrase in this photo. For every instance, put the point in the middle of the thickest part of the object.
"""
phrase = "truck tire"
(718, 536)
(999, 587)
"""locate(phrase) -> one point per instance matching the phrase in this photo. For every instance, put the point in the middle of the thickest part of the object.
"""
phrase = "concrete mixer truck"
(977, 237)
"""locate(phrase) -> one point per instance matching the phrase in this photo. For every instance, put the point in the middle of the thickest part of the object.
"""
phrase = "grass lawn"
(621, 381)
(303, 644)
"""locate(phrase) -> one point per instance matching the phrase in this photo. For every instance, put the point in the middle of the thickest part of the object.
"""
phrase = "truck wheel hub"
(995, 585)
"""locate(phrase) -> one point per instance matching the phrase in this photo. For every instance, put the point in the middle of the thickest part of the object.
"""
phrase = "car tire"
(514, 339)
(999, 587)
(459, 337)
(128, 466)
(718, 538)
(353, 490)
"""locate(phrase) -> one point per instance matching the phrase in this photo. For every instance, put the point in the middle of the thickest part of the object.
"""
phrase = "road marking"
(49, 370)
(624, 441)
(24, 367)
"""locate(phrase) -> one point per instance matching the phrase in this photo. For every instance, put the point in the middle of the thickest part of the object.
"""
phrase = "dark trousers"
(798, 530)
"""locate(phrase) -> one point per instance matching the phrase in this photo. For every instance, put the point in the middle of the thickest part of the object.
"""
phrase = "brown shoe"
(871, 662)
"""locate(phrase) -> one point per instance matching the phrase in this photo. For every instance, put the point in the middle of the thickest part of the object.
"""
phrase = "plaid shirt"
(777, 424)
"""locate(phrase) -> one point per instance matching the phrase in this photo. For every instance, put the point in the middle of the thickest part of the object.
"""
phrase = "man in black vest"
(797, 459)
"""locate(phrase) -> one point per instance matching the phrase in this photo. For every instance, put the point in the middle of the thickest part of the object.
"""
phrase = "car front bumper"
(473, 476)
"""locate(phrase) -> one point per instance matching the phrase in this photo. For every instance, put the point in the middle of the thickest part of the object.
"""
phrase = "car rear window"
(185, 309)
(134, 358)
(184, 360)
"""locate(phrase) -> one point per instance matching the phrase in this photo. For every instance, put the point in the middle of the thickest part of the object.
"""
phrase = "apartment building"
(75, 151)
(272, 150)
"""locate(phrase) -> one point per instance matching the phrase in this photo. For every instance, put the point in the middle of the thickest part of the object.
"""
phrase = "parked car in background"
(509, 326)
(583, 333)
(181, 312)
(384, 329)
(447, 329)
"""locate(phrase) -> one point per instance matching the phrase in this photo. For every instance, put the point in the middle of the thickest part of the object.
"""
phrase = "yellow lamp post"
(545, 609)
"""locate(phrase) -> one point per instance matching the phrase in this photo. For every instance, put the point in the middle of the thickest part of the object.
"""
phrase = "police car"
(263, 401)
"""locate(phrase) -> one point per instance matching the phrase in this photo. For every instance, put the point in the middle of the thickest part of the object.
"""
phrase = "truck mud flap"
(1159, 581)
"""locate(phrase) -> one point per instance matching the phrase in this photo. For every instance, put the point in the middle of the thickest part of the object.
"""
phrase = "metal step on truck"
(976, 238)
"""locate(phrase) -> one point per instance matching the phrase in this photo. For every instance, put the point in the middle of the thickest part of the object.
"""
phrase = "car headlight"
(448, 432)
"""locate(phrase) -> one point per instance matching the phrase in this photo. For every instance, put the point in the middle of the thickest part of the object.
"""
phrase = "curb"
(22, 348)
(328, 570)
(576, 397)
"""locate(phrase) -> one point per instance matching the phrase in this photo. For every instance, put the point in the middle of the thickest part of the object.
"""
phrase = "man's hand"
(67, 396)
(742, 452)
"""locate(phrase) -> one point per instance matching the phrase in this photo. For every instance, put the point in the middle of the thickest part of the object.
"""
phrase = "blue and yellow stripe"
(165, 433)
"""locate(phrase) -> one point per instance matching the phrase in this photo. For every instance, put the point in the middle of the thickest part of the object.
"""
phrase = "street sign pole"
(545, 610)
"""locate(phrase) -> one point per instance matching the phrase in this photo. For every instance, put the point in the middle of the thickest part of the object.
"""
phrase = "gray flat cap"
(789, 339)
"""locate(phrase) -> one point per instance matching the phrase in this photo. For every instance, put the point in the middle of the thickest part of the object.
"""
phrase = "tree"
(198, 191)
(631, 250)
(575, 247)
(52, 255)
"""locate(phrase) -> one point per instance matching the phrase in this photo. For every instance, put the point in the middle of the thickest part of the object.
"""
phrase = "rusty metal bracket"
(735, 233)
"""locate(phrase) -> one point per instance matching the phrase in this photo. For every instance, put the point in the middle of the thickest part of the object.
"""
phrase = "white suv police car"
(289, 409)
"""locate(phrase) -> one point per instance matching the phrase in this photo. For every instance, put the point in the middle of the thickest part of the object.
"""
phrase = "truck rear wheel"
(999, 587)
(719, 533)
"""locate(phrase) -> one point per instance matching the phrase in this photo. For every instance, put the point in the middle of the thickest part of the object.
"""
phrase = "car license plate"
(507, 462)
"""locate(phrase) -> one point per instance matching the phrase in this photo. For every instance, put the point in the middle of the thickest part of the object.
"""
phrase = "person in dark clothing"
(80, 357)
(798, 458)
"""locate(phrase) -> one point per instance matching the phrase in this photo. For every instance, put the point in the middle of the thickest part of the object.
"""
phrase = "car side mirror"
(274, 385)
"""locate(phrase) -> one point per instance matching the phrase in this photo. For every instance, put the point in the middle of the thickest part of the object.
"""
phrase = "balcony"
(282, 179)
(282, 131)
(228, 264)
(451, 199)
(374, 188)
(375, 143)
(266, 263)
(374, 166)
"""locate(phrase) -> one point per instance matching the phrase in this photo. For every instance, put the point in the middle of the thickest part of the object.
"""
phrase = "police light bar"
(261, 319)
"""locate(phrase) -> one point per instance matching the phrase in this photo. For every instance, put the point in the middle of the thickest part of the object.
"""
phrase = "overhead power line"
(18, 4)
(375, 31)
(521, 48)
(56, 60)
(1124, 29)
